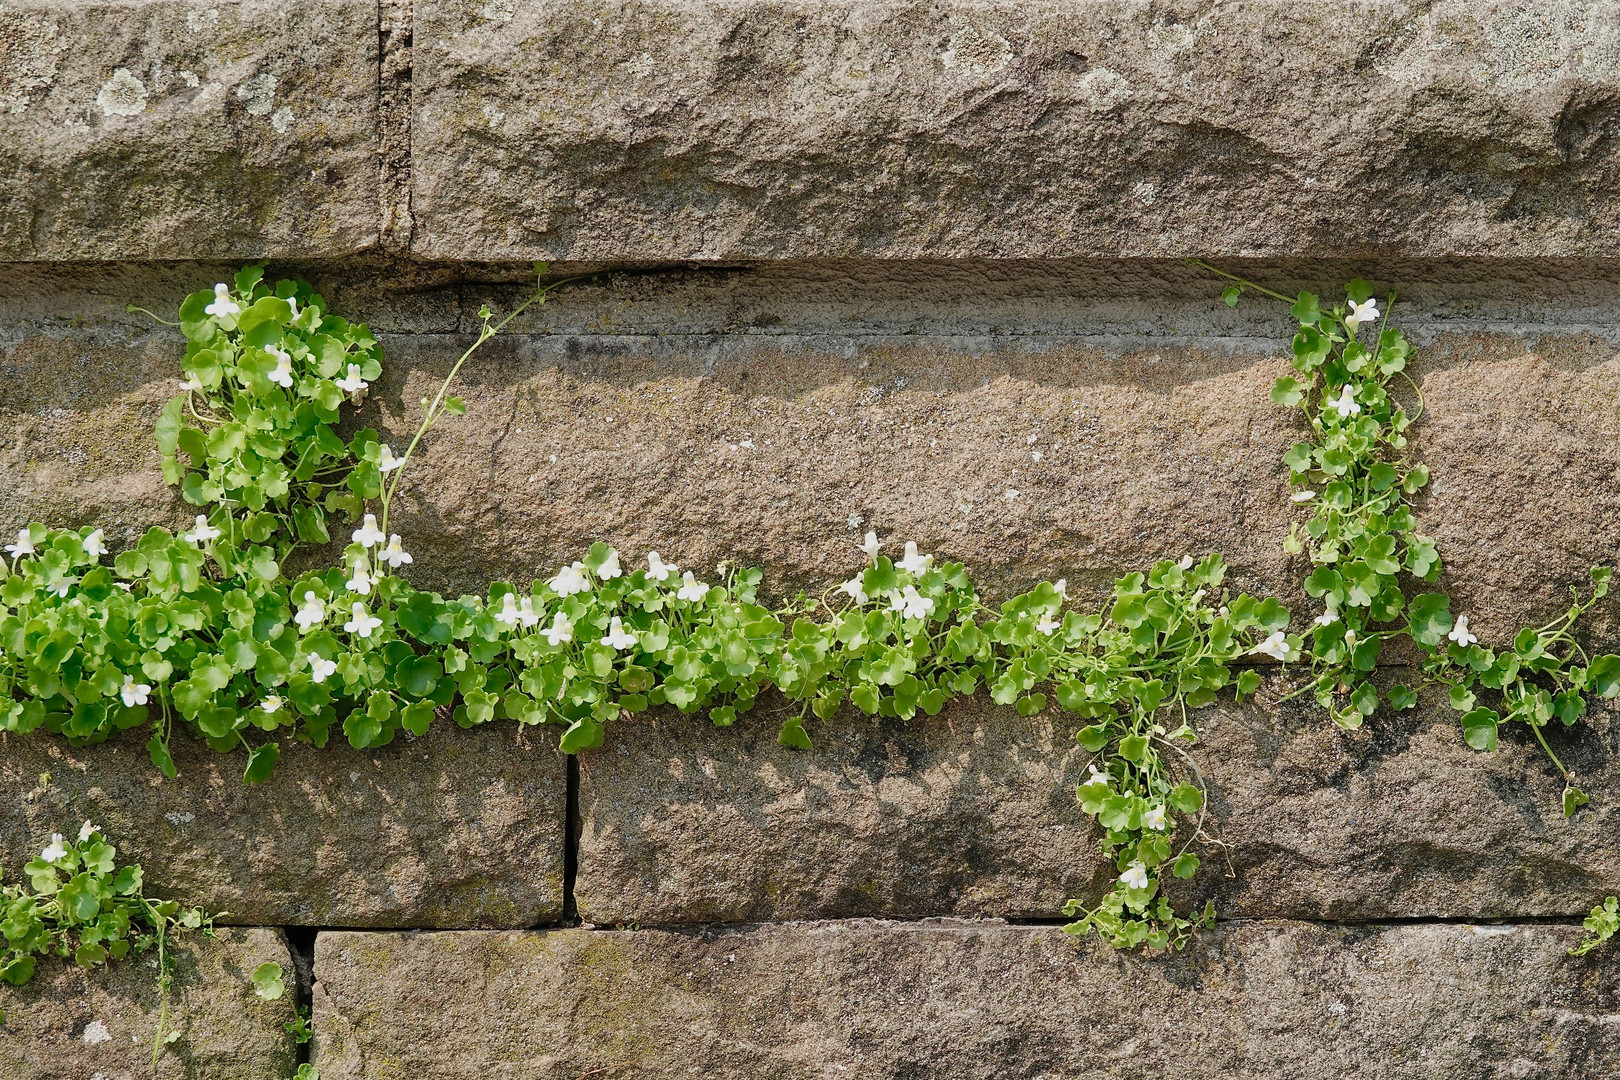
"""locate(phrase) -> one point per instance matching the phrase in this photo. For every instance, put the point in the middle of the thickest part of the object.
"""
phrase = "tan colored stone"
(1284, 1001)
(458, 828)
(70, 1023)
(775, 129)
(187, 129)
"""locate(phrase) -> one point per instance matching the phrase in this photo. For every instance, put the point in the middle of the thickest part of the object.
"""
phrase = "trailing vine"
(205, 631)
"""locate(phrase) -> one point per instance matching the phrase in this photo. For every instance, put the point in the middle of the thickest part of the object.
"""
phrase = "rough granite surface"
(72, 1024)
(187, 129)
(456, 829)
(768, 129)
(1283, 1001)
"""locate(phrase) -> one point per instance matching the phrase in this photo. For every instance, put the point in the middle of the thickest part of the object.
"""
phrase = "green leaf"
(261, 761)
(455, 406)
(1307, 309)
(159, 751)
(267, 980)
(1479, 728)
(793, 734)
(1186, 798)
(1574, 799)
(1401, 697)
(1359, 290)
(1603, 675)
(1287, 392)
(1133, 747)
(1093, 738)
(1429, 618)
(168, 424)
(1186, 865)
(1364, 699)
(1231, 294)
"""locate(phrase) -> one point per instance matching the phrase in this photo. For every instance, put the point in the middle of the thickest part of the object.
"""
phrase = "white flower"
(134, 693)
(63, 587)
(692, 590)
(1153, 819)
(1275, 646)
(870, 545)
(1459, 633)
(855, 588)
(352, 383)
(914, 563)
(368, 535)
(1186, 562)
(361, 581)
(386, 461)
(95, 545)
(1346, 406)
(559, 631)
(1349, 639)
(1061, 587)
(1327, 618)
(910, 604)
(312, 613)
(1096, 777)
(23, 546)
(1048, 625)
(571, 580)
(1135, 876)
(658, 569)
(394, 555)
(320, 668)
(55, 849)
(508, 615)
(292, 303)
(201, 532)
(361, 621)
(1361, 313)
(271, 704)
(282, 376)
(616, 637)
(526, 613)
(87, 830)
(190, 384)
(223, 306)
(610, 566)
(1304, 496)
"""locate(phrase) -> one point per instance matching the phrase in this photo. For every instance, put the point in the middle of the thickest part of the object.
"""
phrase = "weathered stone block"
(788, 129)
(187, 129)
(72, 1024)
(1285, 1001)
(458, 828)
(973, 813)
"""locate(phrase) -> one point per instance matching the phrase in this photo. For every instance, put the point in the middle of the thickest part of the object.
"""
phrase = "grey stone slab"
(72, 1024)
(456, 829)
(187, 129)
(1284, 1001)
(972, 813)
(764, 129)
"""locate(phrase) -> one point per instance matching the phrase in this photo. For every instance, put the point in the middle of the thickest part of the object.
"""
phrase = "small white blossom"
(95, 545)
(1304, 496)
(55, 849)
(1346, 405)
(292, 303)
(386, 461)
(508, 615)
(914, 563)
(870, 545)
(1327, 618)
(360, 581)
(617, 637)
(368, 535)
(223, 306)
(1361, 313)
(321, 669)
(910, 603)
(201, 532)
(571, 580)
(352, 383)
(87, 830)
(610, 566)
(692, 590)
(394, 555)
(1048, 625)
(1459, 633)
(526, 613)
(63, 587)
(311, 613)
(23, 546)
(134, 693)
(855, 588)
(1061, 587)
(1275, 646)
(361, 621)
(271, 704)
(1135, 876)
(282, 376)
(1096, 777)
(1154, 819)
(190, 384)
(559, 631)
(1350, 639)
(658, 569)
(1186, 562)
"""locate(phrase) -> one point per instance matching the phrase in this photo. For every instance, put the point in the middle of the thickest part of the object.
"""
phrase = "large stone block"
(1285, 1001)
(895, 128)
(458, 828)
(187, 129)
(973, 813)
(72, 1024)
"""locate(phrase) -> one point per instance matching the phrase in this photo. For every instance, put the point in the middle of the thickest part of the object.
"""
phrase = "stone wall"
(906, 266)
